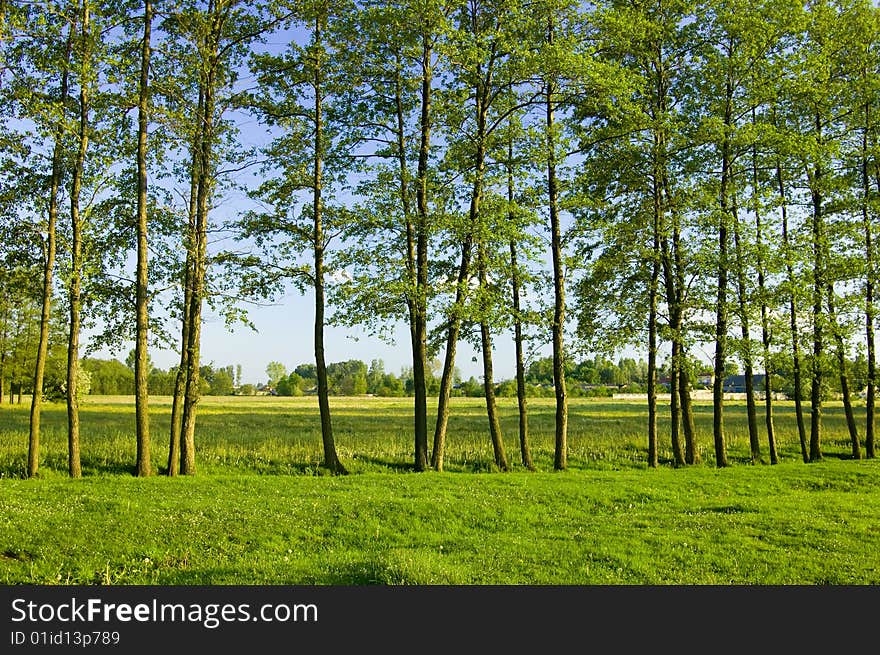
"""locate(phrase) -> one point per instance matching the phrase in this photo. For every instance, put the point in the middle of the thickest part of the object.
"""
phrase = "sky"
(285, 334)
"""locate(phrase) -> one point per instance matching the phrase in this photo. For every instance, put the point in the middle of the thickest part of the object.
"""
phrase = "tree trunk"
(416, 257)
(792, 317)
(174, 447)
(76, 257)
(142, 412)
(560, 458)
(692, 454)
(675, 355)
(4, 338)
(198, 245)
(48, 269)
(721, 311)
(422, 245)
(488, 374)
(765, 322)
(870, 400)
(818, 336)
(522, 403)
(751, 411)
(175, 455)
(840, 352)
(521, 398)
(331, 459)
(653, 446)
(678, 302)
(452, 332)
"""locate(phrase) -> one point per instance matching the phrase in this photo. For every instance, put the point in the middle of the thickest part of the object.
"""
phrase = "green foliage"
(292, 385)
(347, 378)
(247, 390)
(109, 376)
(275, 371)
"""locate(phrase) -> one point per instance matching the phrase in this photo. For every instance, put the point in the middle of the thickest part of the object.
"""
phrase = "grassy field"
(261, 510)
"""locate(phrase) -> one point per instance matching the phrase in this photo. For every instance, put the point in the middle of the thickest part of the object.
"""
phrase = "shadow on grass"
(388, 464)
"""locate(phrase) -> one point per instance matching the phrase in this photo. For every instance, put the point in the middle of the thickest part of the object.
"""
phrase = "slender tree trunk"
(792, 317)
(488, 373)
(421, 413)
(675, 355)
(464, 273)
(560, 458)
(452, 332)
(515, 284)
(48, 267)
(522, 403)
(177, 405)
(682, 410)
(175, 455)
(721, 311)
(692, 454)
(203, 169)
(870, 273)
(765, 322)
(76, 258)
(331, 459)
(421, 399)
(751, 411)
(674, 407)
(653, 446)
(818, 319)
(142, 412)
(4, 338)
(192, 386)
(840, 352)
(521, 398)
(677, 296)
(417, 275)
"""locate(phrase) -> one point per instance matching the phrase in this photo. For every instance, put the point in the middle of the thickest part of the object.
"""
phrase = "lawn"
(261, 510)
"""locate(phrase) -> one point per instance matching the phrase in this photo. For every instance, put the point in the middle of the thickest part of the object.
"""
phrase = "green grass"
(261, 510)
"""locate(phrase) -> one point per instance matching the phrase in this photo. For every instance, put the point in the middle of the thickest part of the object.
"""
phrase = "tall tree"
(57, 128)
(483, 72)
(298, 91)
(392, 107)
(141, 372)
(84, 48)
(216, 39)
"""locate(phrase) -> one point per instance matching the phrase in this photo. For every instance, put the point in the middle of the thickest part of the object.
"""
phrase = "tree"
(485, 72)
(275, 372)
(141, 373)
(393, 109)
(50, 115)
(214, 42)
(298, 89)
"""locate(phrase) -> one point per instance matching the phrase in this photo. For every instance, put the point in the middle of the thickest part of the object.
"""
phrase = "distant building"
(737, 383)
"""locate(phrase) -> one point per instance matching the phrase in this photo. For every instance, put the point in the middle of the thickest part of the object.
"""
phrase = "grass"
(261, 510)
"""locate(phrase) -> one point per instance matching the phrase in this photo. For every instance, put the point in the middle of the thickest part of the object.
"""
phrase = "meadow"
(261, 509)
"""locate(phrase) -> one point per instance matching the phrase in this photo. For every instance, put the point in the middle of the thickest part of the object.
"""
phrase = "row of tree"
(670, 175)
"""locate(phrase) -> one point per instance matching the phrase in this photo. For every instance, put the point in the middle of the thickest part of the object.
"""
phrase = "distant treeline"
(597, 376)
